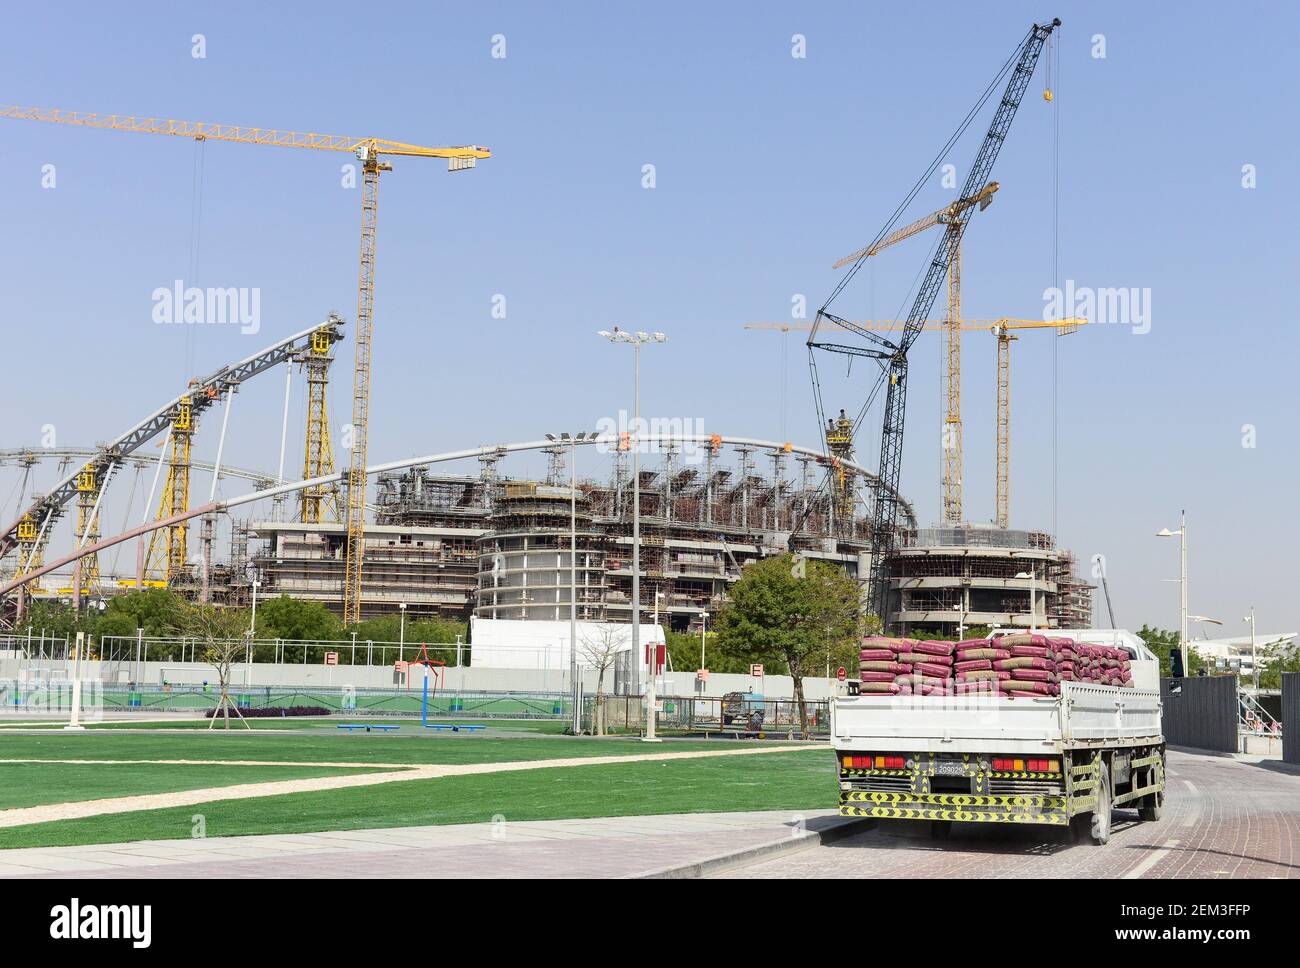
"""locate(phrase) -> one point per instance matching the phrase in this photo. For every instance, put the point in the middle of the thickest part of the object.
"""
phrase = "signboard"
(401, 667)
(756, 669)
(331, 658)
(703, 675)
(660, 657)
(841, 674)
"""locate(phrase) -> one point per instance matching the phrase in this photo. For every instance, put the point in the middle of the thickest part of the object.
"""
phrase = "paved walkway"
(603, 847)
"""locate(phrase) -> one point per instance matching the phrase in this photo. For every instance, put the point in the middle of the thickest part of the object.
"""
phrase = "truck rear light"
(1014, 765)
(878, 762)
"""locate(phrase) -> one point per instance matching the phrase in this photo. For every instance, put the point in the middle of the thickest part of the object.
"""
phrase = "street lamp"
(252, 621)
(1033, 609)
(573, 567)
(401, 632)
(1181, 534)
(622, 336)
(1254, 665)
(704, 630)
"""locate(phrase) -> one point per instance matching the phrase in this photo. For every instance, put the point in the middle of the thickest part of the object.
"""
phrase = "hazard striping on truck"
(962, 816)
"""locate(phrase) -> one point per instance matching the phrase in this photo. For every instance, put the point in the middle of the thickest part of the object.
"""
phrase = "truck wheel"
(1100, 829)
(1152, 806)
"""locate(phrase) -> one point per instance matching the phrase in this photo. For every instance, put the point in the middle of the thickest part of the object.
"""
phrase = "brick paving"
(604, 847)
(1224, 818)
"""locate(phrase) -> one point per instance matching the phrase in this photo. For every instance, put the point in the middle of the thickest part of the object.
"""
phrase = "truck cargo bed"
(1083, 716)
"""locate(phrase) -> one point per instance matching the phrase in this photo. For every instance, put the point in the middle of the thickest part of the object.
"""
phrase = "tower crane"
(952, 436)
(891, 356)
(1004, 330)
(370, 152)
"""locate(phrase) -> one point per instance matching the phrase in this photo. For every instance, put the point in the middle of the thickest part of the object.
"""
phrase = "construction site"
(439, 536)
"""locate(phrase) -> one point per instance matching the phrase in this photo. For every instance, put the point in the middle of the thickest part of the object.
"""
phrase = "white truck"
(1064, 760)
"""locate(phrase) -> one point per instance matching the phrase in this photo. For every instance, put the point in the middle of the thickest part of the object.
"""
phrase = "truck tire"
(1100, 827)
(1152, 806)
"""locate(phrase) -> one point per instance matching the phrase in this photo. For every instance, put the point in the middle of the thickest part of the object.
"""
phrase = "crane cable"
(930, 169)
(1056, 263)
(196, 238)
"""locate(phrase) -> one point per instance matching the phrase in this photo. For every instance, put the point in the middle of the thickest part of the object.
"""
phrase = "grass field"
(31, 784)
(408, 725)
(793, 779)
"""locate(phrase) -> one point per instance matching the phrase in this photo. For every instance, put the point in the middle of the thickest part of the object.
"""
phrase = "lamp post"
(1181, 534)
(1254, 664)
(1033, 578)
(704, 630)
(573, 569)
(252, 621)
(401, 632)
(622, 336)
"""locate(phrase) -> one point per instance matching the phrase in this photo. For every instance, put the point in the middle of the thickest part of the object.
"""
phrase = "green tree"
(422, 631)
(1162, 642)
(1273, 661)
(794, 617)
(294, 618)
(151, 609)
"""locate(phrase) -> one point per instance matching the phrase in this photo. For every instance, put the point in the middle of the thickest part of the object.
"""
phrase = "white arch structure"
(607, 440)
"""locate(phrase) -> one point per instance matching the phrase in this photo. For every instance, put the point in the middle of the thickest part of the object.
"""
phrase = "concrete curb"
(844, 827)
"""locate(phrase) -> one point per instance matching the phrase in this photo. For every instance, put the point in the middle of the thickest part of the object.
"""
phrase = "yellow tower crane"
(952, 435)
(1004, 331)
(319, 503)
(166, 561)
(370, 152)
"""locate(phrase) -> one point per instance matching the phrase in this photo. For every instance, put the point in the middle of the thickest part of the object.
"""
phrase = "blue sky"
(768, 168)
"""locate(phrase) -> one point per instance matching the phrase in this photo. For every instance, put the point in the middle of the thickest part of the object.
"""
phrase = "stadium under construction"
(444, 540)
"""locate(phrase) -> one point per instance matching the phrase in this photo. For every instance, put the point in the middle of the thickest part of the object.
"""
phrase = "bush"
(262, 712)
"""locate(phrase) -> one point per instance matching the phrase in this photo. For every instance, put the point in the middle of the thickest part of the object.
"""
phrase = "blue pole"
(424, 707)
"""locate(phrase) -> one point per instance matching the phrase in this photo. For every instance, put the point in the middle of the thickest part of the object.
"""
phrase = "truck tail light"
(876, 762)
(1016, 765)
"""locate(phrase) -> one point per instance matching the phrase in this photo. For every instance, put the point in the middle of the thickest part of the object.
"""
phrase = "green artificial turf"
(423, 746)
(33, 784)
(793, 780)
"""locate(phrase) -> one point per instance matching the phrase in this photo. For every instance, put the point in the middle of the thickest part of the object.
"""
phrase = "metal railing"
(695, 714)
(1253, 718)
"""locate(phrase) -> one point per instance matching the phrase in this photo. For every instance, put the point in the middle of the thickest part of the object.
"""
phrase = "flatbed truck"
(1064, 760)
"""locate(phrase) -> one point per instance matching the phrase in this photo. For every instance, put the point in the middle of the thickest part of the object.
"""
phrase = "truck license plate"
(950, 768)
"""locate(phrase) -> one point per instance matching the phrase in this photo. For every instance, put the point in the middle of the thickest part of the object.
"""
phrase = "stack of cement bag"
(914, 667)
(974, 666)
(1031, 665)
(1102, 664)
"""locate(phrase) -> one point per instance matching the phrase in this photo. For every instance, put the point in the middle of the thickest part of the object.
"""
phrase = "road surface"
(1224, 817)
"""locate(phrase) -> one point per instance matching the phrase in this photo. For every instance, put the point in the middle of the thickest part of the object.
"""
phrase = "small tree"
(223, 632)
(792, 617)
(599, 648)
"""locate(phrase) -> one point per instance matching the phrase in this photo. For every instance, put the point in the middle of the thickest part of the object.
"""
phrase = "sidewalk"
(601, 847)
